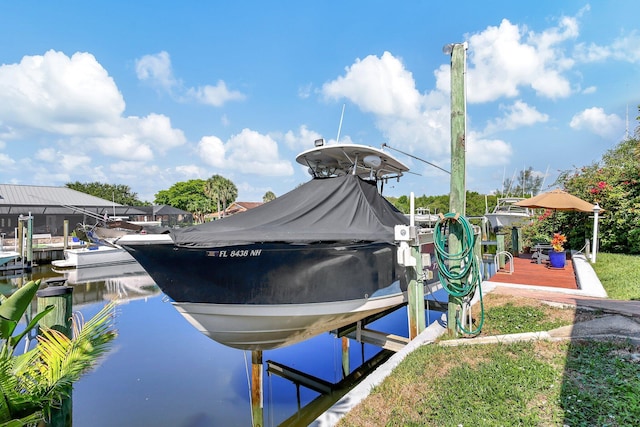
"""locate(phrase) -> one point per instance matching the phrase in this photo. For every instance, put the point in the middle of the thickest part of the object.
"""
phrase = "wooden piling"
(59, 319)
(500, 248)
(29, 241)
(458, 145)
(257, 404)
(416, 296)
(346, 369)
(65, 233)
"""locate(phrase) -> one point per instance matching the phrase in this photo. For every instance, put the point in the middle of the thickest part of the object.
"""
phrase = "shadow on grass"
(601, 380)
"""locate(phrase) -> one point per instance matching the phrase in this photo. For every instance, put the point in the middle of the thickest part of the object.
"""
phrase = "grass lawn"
(572, 383)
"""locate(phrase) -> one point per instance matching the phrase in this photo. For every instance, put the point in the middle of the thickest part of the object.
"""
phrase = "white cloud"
(408, 119)
(247, 152)
(302, 139)
(6, 161)
(215, 95)
(304, 91)
(156, 130)
(625, 48)
(596, 121)
(191, 171)
(156, 69)
(516, 115)
(487, 152)
(57, 94)
(64, 163)
(377, 85)
(502, 59)
(211, 150)
(74, 101)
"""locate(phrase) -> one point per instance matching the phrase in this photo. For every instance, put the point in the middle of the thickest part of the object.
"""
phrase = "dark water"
(162, 372)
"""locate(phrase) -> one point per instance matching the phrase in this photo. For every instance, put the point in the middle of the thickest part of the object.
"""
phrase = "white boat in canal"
(8, 256)
(318, 258)
(93, 255)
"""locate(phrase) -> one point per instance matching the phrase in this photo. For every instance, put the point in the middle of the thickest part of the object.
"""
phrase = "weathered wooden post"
(346, 368)
(20, 237)
(65, 233)
(457, 185)
(500, 248)
(29, 241)
(59, 319)
(257, 413)
(414, 274)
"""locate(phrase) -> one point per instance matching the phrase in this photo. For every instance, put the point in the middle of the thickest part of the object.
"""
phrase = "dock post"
(257, 413)
(20, 239)
(499, 249)
(416, 296)
(65, 233)
(29, 241)
(457, 195)
(58, 319)
(415, 285)
(346, 369)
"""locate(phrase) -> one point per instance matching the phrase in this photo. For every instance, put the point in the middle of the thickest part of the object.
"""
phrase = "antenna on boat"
(384, 144)
(543, 179)
(340, 125)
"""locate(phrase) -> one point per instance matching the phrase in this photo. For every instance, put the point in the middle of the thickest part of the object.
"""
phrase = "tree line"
(198, 196)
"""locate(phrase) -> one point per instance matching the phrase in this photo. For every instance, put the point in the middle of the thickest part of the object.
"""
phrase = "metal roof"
(54, 200)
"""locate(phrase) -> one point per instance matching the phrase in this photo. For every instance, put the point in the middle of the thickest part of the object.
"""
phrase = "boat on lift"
(92, 255)
(506, 213)
(318, 258)
(8, 256)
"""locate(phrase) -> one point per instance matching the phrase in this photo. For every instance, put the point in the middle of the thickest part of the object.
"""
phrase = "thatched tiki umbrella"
(562, 201)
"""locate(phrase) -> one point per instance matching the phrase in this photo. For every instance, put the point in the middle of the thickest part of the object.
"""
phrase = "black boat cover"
(339, 209)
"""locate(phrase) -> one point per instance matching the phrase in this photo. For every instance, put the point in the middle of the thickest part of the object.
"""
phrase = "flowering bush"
(558, 242)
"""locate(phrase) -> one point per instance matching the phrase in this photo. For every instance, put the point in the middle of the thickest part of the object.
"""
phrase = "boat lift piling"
(257, 398)
(415, 311)
(24, 236)
(457, 193)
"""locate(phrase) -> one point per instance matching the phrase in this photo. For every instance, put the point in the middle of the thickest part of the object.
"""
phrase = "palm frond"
(34, 382)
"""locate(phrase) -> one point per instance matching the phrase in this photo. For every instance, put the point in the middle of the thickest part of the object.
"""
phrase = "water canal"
(162, 372)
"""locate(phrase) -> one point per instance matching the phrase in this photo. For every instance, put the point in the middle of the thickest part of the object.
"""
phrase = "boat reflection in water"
(121, 282)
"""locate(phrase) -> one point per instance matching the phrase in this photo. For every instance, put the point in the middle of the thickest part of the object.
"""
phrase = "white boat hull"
(89, 257)
(264, 327)
(7, 256)
(506, 219)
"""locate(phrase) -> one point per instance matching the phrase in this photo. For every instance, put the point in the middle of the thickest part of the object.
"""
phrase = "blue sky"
(148, 94)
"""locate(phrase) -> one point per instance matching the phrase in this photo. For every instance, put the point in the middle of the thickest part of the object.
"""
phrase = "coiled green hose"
(459, 272)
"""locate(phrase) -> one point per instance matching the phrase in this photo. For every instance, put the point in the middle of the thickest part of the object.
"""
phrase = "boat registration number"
(237, 253)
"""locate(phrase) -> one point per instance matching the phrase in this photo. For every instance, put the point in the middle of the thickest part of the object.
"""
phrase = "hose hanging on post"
(463, 281)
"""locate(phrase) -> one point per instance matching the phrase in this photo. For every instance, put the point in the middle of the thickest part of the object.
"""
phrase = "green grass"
(513, 319)
(574, 383)
(619, 275)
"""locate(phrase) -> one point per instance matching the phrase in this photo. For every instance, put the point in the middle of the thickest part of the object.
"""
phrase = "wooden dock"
(527, 272)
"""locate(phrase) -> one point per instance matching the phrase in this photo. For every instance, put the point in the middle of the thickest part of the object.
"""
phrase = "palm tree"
(268, 196)
(35, 382)
(211, 190)
(222, 190)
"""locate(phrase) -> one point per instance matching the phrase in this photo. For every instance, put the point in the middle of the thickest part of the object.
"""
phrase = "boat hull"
(265, 327)
(7, 256)
(264, 296)
(93, 256)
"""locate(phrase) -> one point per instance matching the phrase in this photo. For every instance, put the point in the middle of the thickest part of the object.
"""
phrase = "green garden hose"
(459, 272)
